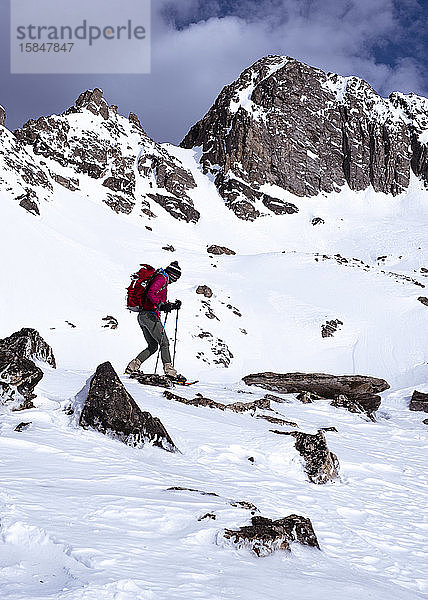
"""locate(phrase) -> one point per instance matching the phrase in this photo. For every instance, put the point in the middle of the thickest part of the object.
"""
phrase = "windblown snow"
(84, 517)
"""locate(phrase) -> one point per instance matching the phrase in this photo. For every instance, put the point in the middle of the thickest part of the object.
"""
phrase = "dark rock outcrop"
(110, 322)
(100, 147)
(329, 328)
(28, 343)
(419, 401)
(110, 409)
(321, 465)
(357, 388)
(237, 407)
(264, 536)
(204, 290)
(22, 426)
(18, 378)
(286, 124)
(28, 201)
(423, 300)
(218, 250)
(2, 116)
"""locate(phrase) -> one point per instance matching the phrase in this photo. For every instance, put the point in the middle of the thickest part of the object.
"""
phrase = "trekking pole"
(160, 343)
(175, 338)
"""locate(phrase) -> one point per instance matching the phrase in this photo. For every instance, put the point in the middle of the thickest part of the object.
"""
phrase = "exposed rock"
(110, 409)
(328, 429)
(110, 322)
(321, 465)
(22, 426)
(425, 421)
(218, 250)
(29, 201)
(286, 124)
(135, 121)
(2, 116)
(362, 389)
(71, 183)
(176, 208)
(152, 379)
(236, 407)
(219, 349)
(236, 503)
(107, 147)
(18, 378)
(277, 420)
(264, 536)
(353, 404)
(169, 248)
(28, 343)
(424, 300)
(234, 310)
(204, 290)
(120, 204)
(317, 221)
(419, 401)
(207, 516)
(307, 397)
(72, 325)
(279, 207)
(94, 101)
(276, 399)
(329, 328)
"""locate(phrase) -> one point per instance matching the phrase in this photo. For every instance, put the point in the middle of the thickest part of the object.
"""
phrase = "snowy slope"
(84, 517)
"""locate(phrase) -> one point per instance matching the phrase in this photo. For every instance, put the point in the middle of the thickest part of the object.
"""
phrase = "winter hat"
(174, 271)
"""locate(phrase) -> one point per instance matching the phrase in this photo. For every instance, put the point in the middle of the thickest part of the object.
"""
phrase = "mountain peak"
(284, 126)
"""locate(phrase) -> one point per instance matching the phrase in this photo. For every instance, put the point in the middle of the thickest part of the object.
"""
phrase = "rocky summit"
(286, 126)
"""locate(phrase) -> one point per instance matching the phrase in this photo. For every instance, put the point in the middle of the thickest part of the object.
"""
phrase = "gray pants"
(152, 328)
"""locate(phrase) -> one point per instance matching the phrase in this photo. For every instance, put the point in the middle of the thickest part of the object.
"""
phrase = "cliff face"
(289, 125)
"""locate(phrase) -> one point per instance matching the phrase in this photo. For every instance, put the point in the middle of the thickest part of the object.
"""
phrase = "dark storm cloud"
(201, 45)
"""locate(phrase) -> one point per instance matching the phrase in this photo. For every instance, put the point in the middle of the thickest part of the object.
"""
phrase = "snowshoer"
(149, 320)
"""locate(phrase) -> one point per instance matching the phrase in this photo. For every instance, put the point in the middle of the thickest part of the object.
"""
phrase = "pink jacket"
(157, 292)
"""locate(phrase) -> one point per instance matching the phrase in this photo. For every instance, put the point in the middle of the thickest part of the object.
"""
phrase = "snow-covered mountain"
(318, 186)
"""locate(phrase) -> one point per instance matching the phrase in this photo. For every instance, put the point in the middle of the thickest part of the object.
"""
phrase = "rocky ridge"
(293, 128)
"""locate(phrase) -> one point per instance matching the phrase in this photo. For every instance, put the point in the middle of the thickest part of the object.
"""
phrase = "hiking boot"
(169, 370)
(133, 366)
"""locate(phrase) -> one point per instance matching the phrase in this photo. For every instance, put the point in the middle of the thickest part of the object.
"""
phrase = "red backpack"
(138, 289)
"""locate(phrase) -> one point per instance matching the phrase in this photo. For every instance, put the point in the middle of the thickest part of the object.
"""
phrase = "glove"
(177, 305)
(167, 307)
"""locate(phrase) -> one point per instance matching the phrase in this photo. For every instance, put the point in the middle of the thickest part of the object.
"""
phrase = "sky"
(198, 46)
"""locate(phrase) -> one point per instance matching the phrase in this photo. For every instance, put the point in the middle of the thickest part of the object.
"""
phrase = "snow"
(84, 517)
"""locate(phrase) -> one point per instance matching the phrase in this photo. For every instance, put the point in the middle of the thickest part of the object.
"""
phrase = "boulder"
(18, 378)
(358, 388)
(419, 401)
(218, 250)
(110, 409)
(237, 407)
(28, 343)
(321, 465)
(204, 290)
(264, 536)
